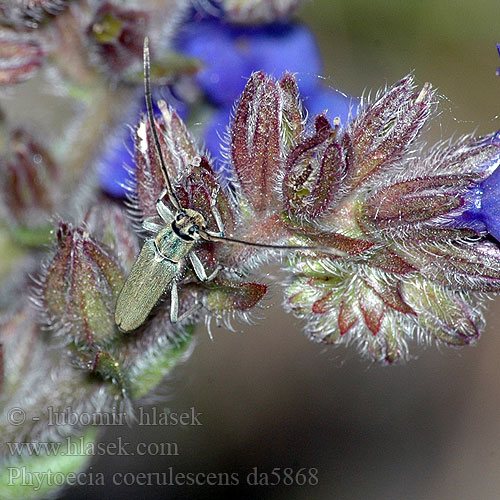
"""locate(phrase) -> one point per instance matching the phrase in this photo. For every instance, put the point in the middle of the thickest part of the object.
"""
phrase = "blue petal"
(215, 131)
(498, 49)
(230, 53)
(332, 102)
(118, 153)
(483, 202)
(222, 77)
(490, 204)
(277, 48)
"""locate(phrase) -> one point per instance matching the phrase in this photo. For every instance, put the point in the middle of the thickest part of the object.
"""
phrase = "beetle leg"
(150, 225)
(215, 211)
(174, 303)
(200, 270)
(163, 211)
(174, 306)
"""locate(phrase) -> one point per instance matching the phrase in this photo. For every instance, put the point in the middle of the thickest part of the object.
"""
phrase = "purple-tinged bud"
(30, 14)
(20, 57)
(385, 129)
(225, 296)
(456, 264)
(30, 187)
(292, 122)
(79, 288)
(178, 151)
(404, 204)
(31, 172)
(256, 141)
(313, 172)
(118, 35)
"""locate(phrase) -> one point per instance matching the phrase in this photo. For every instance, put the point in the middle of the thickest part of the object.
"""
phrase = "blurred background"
(269, 398)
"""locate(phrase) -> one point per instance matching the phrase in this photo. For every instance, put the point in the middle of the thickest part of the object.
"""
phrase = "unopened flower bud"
(20, 57)
(80, 287)
(30, 188)
(118, 35)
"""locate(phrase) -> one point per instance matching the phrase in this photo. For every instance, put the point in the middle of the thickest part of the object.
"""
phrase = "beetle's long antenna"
(149, 105)
(211, 237)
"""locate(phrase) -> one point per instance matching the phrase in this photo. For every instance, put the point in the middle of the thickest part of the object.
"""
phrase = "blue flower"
(489, 210)
(215, 131)
(483, 202)
(231, 53)
(115, 161)
(488, 198)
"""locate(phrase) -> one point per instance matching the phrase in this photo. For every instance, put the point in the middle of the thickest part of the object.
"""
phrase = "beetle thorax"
(187, 223)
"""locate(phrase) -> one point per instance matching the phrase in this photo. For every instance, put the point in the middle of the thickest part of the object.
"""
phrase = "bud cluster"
(414, 267)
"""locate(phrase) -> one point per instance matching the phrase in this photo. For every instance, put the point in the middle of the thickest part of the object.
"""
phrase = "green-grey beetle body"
(158, 266)
(149, 279)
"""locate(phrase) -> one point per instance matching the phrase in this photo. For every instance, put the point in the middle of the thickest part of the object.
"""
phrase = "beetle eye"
(193, 229)
(180, 216)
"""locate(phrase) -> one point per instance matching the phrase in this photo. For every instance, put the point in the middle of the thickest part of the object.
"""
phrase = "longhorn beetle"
(159, 263)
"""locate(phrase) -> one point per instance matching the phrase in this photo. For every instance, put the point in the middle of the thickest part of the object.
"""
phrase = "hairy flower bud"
(80, 287)
(20, 57)
(118, 35)
(319, 155)
(411, 226)
(29, 14)
(385, 129)
(30, 182)
(178, 150)
(404, 204)
(256, 140)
